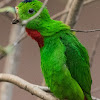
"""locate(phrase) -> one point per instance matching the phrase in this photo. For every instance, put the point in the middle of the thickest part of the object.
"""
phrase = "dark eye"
(31, 11)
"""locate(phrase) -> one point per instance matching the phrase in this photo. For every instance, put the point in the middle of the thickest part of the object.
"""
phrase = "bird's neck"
(44, 28)
(51, 27)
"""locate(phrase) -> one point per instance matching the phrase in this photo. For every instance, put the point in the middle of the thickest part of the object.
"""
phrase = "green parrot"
(64, 60)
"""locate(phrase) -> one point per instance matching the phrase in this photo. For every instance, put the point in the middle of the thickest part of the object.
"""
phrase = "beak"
(16, 20)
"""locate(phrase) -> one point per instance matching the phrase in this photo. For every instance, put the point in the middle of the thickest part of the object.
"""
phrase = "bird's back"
(78, 62)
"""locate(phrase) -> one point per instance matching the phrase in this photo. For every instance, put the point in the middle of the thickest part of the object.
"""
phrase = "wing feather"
(77, 61)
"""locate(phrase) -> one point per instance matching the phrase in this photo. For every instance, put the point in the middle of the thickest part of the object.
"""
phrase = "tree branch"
(88, 1)
(39, 91)
(74, 12)
(68, 5)
(59, 14)
(21, 37)
(94, 49)
(7, 9)
(85, 31)
(67, 11)
(11, 64)
(8, 49)
(31, 88)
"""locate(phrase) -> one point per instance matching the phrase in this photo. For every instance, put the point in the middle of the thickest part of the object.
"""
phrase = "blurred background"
(29, 67)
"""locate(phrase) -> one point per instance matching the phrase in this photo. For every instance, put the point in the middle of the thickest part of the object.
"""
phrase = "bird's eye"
(31, 11)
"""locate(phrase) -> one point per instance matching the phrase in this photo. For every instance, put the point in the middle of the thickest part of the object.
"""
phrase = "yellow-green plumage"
(64, 60)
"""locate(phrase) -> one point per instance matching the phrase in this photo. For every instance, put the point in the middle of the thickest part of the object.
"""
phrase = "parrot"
(64, 60)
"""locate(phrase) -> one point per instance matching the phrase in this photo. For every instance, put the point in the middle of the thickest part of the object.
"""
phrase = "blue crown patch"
(27, 1)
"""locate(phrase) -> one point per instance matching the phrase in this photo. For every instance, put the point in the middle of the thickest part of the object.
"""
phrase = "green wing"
(77, 61)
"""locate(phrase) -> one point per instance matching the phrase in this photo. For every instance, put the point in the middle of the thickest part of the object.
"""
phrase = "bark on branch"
(33, 89)
(39, 91)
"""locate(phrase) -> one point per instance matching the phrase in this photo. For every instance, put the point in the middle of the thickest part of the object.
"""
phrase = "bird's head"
(29, 8)
(36, 28)
(42, 26)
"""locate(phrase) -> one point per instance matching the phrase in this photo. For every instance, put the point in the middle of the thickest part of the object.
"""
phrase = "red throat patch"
(36, 36)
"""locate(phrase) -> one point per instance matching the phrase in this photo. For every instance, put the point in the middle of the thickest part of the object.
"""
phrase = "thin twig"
(94, 49)
(33, 89)
(36, 15)
(74, 12)
(67, 7)
(85, 31)
(59, 14)
(66, 11)
(89, 1)
(21, 37)
(7, 50)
